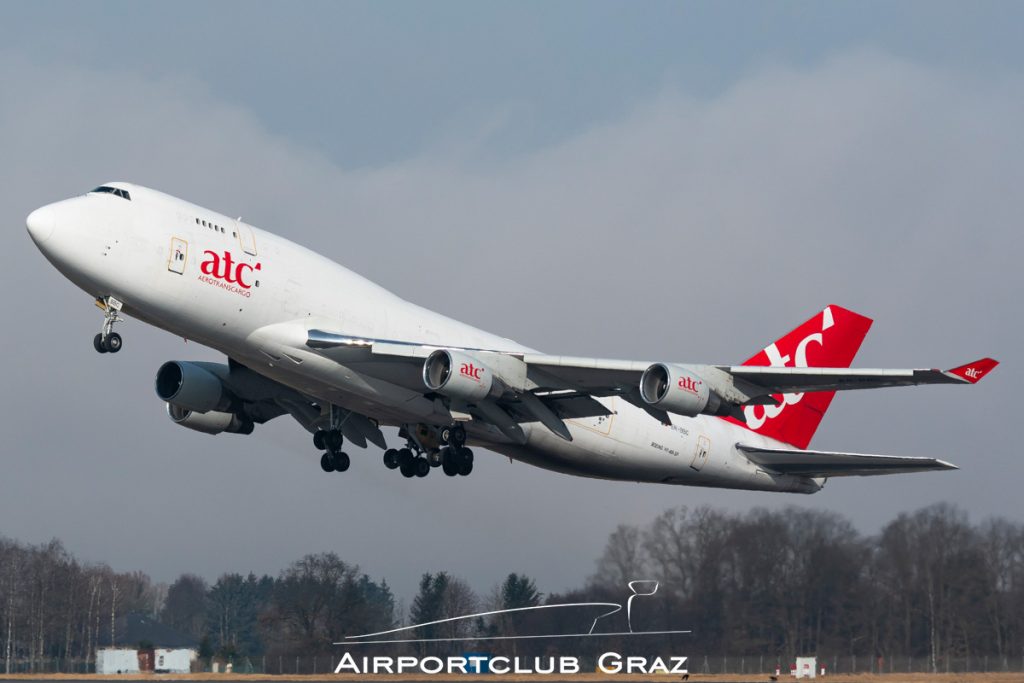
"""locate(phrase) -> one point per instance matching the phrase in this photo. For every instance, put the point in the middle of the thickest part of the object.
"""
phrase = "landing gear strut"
(108, 341)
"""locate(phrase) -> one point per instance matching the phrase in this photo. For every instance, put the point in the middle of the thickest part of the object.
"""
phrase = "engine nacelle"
(210, 422)
(459, 375)
(191, 386)
(676, 390)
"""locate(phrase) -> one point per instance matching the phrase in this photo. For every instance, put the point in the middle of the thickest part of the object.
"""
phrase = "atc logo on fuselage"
(222, 270)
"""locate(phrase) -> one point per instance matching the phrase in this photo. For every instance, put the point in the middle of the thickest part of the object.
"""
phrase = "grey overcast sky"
(668, 181)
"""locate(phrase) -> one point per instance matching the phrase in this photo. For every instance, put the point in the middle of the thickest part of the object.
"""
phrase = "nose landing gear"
(108, 341)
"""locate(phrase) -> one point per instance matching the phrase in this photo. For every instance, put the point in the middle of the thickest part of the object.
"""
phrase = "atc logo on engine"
(471, 371)
(689, 384)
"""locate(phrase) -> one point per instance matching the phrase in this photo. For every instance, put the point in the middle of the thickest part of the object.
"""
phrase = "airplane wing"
(755, 381)
(831, 464)
(566, 386)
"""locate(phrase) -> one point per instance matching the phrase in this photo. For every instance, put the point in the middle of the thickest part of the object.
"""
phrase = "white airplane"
(306, 337)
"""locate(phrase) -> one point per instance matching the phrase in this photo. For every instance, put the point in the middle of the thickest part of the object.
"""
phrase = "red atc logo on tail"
(829, 339)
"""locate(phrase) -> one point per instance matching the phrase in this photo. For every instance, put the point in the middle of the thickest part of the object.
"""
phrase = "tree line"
(768, 583)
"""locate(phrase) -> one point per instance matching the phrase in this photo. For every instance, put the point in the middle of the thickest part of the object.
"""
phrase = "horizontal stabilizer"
(831, 464)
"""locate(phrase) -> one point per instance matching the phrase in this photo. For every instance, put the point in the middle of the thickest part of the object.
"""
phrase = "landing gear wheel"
(391, 458)
(405, 455)
(465, 467)
(113, 342)
(422, 467)
(97, 343)
(341, 462)
(448, 464)
(434, 459)
(318, 440)
(333, 439)
(327, 462)
(408, 469)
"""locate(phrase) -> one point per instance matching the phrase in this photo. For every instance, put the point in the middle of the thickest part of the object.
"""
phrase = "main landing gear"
(333, 458)
(417, 459)
(330, 441)
(108, 341)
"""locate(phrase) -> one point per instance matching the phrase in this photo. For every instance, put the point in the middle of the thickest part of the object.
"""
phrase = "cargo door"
(178, 256)
(700, 454)
(246, 237)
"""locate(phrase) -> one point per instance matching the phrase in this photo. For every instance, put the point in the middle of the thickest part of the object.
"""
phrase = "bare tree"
(623, 559)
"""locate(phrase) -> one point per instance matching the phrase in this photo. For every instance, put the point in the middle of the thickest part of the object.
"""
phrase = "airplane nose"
(41, 223)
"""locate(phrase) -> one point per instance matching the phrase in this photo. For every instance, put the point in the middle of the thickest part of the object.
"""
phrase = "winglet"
(973, 372)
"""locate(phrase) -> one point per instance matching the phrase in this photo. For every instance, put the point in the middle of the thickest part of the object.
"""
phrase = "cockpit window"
(106, 189)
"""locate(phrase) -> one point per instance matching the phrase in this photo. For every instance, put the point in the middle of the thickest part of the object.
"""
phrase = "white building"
(117, 661)
(173, 661)
(161, 660)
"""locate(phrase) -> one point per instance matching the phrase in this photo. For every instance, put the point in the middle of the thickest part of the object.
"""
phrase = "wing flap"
(833, 464)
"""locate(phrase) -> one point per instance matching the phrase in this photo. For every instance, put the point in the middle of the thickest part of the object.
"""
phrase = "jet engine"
(460, 375)
(210, 422)
(676, 390)
(192, 386)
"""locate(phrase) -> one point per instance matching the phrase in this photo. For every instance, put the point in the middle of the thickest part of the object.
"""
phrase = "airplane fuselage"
(254, 296)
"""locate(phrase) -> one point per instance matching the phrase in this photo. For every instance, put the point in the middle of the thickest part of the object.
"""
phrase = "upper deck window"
(106, 189)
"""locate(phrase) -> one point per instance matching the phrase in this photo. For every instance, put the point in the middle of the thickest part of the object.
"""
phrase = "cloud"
(693, 229)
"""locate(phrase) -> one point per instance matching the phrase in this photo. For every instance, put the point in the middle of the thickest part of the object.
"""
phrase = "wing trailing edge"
(833, 464)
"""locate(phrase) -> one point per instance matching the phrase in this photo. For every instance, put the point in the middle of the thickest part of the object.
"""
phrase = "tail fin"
(829, 339)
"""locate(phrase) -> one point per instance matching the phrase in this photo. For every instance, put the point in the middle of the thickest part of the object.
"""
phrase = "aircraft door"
(178, 256)
(246, 237)
(700, 455)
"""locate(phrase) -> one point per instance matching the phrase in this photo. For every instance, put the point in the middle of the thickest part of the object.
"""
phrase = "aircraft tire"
(391, 458)
(327, 462)
(97, 343)
(408, 469)
(404, 456)
(465, 467)
(422, 467)
(113, 342)
(341, 462)
(450, 468)
(318, 440)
